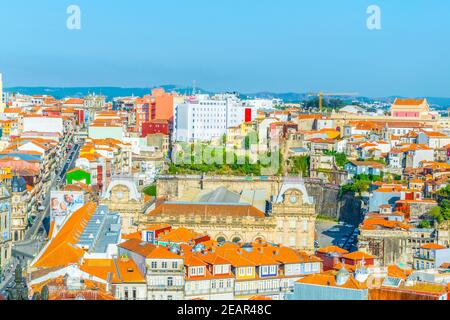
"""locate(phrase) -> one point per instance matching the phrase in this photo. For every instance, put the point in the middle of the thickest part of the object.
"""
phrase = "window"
(249, 271)
(292, 241)
(273, 269)
(292, 223)
(126, 293)
(225, 269)
(134, 294)
(170, 281)
(154, 265)
(307, 267)
(264, 270)
(174, 265)
(164, 265)
(193, 271)
(218, 270)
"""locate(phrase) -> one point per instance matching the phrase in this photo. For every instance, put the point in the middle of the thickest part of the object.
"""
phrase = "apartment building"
(204, 118)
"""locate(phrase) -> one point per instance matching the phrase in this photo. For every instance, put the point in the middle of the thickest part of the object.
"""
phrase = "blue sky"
(243, 45)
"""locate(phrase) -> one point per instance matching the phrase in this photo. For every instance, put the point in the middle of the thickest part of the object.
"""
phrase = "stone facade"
(19, 210)
(122, 196)
(394, 246)
(326, 196)
(291, 221)
(5, 228)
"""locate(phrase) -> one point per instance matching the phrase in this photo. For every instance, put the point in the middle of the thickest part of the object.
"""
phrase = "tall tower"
(19, 211)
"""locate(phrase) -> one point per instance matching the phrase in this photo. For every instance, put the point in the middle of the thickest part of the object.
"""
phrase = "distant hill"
(111, 92)
(79, 92)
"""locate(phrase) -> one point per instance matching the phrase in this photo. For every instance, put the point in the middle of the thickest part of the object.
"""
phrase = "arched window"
(221, 240)
(236, 239)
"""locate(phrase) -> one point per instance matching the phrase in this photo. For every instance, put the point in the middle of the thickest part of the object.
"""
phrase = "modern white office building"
(203, 118)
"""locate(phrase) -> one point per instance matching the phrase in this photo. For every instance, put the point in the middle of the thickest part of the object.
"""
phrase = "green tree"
(339, 157)
(361, 186)
(150, 190)
(300, 164)
(424, 224)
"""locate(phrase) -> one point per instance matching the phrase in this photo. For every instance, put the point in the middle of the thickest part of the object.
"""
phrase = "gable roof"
(200, 209)
(148, 250)
(329, 279)
(62, 250)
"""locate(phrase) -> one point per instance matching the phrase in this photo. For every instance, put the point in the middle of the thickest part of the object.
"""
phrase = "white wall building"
(435, 140)
(264, 103)
(43, 124)
(203, 118)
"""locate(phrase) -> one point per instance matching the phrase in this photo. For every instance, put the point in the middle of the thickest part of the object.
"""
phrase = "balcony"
(165, 288)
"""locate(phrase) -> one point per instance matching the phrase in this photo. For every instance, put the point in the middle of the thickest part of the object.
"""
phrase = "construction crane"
(322, 94)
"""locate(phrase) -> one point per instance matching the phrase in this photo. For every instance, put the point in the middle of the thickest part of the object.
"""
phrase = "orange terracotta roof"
(329, 279)
(309, 116)
(148, 250)
(408, 102)
(74, 101)
(261, 298)
(332, 249)
(12, 110)
(191, 260)
(397, 272)
(432, 246)
(121, 270)
(214, 259)
(238, 259)
(357, 255)
(375, 223)
(434, 134)
(62, 250)
(179, 235)
(261, 258)
(135, 235)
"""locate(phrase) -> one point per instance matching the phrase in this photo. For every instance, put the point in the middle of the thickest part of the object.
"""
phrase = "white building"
(264, 103)
(43, 124)
(435, 140)
(104, 131)
(203, 118)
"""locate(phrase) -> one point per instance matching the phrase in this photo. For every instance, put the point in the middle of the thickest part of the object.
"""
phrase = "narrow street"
(35, 237)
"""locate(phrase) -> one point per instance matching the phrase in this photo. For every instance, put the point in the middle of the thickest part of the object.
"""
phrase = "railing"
(165, 288)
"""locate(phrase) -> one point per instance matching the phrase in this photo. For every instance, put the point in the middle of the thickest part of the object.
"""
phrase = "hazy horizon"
(229, 45)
